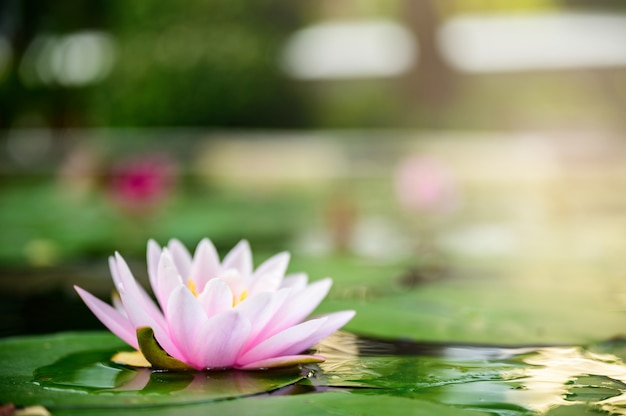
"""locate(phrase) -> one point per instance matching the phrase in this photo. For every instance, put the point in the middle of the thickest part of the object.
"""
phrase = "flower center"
(242, 297)
(191, 285)
(237, 298)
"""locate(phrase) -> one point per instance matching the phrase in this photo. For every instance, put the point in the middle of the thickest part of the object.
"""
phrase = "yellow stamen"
(192, 287)
(242, 297)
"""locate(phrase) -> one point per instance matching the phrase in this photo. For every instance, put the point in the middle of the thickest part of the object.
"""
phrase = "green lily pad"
(502, 305)
(72, 373)
(73, 370)
(327, 404)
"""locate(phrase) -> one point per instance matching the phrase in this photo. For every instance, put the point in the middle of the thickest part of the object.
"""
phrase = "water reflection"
(503, 381)
(565, 376)
(550, 378)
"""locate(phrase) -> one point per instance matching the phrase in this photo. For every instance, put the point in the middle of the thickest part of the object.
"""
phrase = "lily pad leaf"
(75, 371)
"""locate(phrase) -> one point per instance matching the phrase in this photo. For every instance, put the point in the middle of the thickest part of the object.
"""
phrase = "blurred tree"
(21, 22)
(430, 85)
(213, 63)
(197, 62)
(194, 62)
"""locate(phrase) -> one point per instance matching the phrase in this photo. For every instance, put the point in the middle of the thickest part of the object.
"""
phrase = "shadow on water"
(497, 380)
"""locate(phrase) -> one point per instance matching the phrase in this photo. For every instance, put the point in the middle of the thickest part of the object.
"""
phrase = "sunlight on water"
(559, 376)
(528, 380)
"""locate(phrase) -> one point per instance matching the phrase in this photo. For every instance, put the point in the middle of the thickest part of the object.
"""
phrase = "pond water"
(496, 380)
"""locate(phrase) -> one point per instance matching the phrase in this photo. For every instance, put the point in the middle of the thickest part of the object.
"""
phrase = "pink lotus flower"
(426, 185)
(142, 183)
(216, 315)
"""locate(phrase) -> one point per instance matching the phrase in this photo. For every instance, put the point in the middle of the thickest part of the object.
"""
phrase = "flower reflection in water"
(198, 384)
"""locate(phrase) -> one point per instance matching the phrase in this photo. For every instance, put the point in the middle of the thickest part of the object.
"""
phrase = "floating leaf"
(504, 307)
(73, 373)
(57, 371)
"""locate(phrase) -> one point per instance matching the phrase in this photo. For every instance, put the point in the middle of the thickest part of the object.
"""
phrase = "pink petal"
(118, 305)
(205, 264)
(181, 257)
(153, 254)
(239, 258)
(236, 282)
(129, 284)
(216, 297)
(111, 318)
(221, 339)
(185, 317)
(276, 264)
(300, 305)
(269, 275)
(277, 344)
(283, 361)
(168, 278)
(140, 317)
(115, 273)
(296, 281)
(332, 323)
(259, 310)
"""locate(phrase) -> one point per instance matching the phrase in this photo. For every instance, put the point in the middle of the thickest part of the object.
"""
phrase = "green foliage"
(190, 63)
(198, 63)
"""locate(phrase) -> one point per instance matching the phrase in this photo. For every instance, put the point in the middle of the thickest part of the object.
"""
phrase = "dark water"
(21, 313)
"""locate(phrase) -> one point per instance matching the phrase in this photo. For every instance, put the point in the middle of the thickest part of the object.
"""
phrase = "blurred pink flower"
(425, 185)
(214, 314)
(142, 182)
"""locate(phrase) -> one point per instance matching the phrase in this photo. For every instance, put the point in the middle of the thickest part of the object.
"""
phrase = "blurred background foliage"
(215, 63)
(193, 63)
